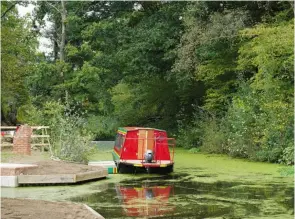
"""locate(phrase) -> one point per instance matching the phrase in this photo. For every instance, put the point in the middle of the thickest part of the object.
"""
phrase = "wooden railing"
(39, 138)
(7, 133)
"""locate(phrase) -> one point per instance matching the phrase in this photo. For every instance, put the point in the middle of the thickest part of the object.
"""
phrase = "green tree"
(262, 116)
(18, 49)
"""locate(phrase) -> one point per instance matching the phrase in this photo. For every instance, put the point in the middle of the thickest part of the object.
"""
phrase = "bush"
(287, 171)
(189, 135)
(213, 138)
(194, 150)
(203, 134)
(69, 138)
(259, 125)
(268, 155)
(288, 155)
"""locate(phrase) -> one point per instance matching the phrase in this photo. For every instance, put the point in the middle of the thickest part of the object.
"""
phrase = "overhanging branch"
(8, 9)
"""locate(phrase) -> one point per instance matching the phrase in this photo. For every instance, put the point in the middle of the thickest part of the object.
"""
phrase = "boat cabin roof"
(126, 129)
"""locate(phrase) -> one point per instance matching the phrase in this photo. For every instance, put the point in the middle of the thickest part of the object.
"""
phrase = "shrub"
(194, 150)
(259, 125)
(288, 155)
(204, 134)
(69, 138)
(189, 135)
(213, 138)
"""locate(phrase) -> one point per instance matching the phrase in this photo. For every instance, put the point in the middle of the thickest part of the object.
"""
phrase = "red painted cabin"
(144, 148)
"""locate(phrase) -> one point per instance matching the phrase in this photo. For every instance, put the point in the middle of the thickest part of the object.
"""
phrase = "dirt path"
(35, 209)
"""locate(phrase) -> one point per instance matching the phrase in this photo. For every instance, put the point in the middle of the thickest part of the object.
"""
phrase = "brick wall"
(22, 140)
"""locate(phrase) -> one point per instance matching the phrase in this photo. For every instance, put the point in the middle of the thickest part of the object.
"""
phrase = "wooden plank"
(42, 140)
(141, 144)
(150, 140)
(6, 145)
(48, 141)
(91, 175)
(40, 127)
(7, 136)
(40, 136)
(8, 127)
(40, 144)
(39, 179)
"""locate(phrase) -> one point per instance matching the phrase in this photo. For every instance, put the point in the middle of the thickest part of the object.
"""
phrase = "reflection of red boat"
(143, 148)
(145, 201)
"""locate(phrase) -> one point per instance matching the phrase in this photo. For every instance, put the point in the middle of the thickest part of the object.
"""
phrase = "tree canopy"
(217, 75)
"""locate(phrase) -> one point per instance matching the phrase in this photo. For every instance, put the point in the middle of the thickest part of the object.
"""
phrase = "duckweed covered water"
(177, 198)
(202, 186)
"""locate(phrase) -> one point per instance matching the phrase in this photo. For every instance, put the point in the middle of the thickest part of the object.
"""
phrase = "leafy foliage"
(218, 75)
(70, 140)
(18, 46)
(259, 121)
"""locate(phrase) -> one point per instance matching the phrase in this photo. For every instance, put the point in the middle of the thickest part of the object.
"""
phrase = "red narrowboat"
(143, 148)
(145, 201)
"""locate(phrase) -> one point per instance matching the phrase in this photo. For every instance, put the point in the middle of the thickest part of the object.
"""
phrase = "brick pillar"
(22, 140)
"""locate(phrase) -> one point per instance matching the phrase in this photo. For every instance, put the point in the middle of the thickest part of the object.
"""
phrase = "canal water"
(202, 186)
(162, 197)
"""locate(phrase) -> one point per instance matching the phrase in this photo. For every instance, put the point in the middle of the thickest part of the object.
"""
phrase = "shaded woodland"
(218, 76)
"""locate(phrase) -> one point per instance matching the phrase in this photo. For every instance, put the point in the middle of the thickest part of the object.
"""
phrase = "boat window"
(119, 141)
(160, 138)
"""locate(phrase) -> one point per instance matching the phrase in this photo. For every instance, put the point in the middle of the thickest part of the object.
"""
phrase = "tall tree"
(18, 48)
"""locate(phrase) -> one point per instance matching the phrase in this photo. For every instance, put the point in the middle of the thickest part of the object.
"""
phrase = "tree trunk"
(55, 43)
(63, 32)
(63, 42)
